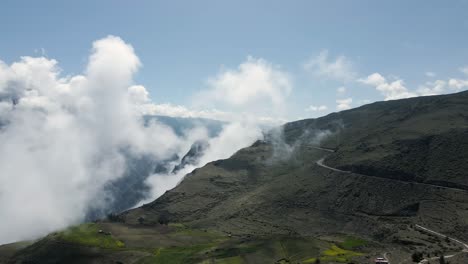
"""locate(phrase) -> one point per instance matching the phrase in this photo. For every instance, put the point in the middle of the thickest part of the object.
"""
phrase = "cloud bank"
(63, 138)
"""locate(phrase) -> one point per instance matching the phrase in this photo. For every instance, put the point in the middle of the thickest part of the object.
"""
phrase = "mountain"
(196, 151)
(126, 191)
(388, 179)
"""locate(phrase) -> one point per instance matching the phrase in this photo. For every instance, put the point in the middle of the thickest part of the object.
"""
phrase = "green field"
(88, 234)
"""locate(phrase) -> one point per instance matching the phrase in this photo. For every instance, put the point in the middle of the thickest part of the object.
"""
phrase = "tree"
(442, 259)
(317, 261)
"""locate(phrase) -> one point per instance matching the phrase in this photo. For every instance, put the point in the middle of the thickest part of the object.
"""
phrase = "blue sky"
(184, 44)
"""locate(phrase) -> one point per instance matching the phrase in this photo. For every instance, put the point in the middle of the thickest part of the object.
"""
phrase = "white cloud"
(314, 108)
(458, 84)
(168, 109)
(433, 88)
(344, 104)
(340, 69)
(138, 94)
(256, 86)
(442, 87)
(374, 79)
(430, 74)
(397, 90)
(390, 90)
(64, 138)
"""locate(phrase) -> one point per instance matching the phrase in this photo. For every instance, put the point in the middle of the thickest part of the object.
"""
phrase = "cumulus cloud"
(340, 68)
(343, 104)
(138, 94)
(256, 86)
(62, 139)
(315, 108)
(433, 88)
(458, 84)
(442, 86)
(391, 90)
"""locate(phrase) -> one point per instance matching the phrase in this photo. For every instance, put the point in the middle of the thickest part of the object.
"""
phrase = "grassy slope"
(418, 139)
(89, 235)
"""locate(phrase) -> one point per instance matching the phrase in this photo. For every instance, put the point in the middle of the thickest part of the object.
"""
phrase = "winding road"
(320, 163)
(464, 245)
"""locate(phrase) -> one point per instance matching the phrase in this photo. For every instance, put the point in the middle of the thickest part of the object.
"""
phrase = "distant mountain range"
(388, 179)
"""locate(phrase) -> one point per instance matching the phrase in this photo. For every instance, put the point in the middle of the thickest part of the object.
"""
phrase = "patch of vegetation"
(89, 235)
(351, 243)
(310, 260)
(337, 254)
